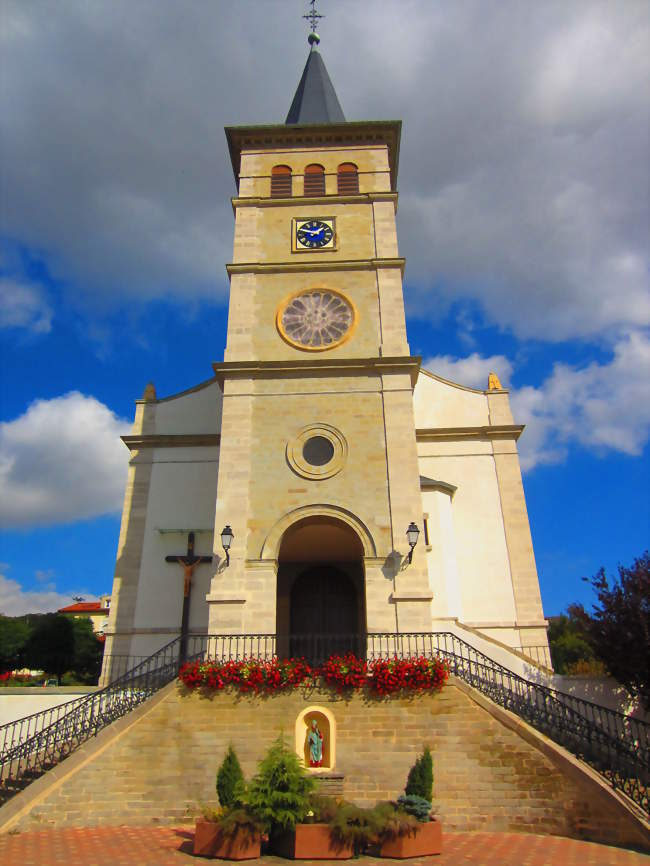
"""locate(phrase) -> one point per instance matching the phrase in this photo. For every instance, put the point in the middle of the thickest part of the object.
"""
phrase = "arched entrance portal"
(321, 598)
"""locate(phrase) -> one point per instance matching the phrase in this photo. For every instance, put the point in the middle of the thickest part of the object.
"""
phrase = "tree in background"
(570, 644)
(88, 651)
(51, 645)
(618, 630)
(14, 633)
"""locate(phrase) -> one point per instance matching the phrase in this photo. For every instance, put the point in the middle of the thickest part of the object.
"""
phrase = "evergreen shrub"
(230, 781)
(416, 806)
(279, 792)
(420, 777)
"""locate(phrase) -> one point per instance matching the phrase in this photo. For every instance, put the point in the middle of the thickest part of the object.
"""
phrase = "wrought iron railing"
(616, 745)
(32, 745)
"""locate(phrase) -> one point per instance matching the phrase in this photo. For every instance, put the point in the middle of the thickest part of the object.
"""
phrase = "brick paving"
(167, 846)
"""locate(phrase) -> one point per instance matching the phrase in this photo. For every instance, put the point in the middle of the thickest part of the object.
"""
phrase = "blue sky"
(523, 216)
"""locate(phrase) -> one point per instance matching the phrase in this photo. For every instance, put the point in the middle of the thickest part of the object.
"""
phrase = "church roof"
(315, 100)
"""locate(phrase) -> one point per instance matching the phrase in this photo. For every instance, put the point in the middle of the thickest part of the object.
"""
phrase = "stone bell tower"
(318, 467)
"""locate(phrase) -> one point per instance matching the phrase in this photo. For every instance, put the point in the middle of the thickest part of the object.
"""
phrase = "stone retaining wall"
(492, 772)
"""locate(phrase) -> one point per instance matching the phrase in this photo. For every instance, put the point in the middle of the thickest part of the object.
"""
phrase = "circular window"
(318, 451)
(316, 319)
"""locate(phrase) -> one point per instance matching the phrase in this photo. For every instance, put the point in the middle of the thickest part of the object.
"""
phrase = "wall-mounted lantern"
(227, 536)
(412, 533)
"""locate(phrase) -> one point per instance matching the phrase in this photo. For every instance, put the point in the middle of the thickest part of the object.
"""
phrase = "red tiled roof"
(84, 607)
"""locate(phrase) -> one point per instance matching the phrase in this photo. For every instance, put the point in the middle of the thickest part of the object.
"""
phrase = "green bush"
(416, 806)
(352, 825)
(241, 822)
(420, 778)
(322, 809)
(392, 821)
(279, 793)
(230, 781)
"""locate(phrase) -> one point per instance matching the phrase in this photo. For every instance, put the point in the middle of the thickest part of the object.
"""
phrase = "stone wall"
(492, 772)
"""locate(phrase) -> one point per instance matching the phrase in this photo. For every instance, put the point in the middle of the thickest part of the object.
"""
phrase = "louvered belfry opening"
(314, 180)
(280, 181)
(347, 179)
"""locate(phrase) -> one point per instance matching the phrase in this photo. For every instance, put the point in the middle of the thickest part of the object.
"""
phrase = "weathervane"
(313, 16)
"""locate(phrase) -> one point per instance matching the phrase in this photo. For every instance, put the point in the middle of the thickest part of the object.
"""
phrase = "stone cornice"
(302, 367)
(306, 201)
(311, 265)
(495, 431)
(179, 440)
(442, 486)
(297, 136)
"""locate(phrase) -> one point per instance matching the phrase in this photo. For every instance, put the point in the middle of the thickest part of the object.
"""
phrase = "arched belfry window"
(347, 177)
(280, 181)
(314, 180)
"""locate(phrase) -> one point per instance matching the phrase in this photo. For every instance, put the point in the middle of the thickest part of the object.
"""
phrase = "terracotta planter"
(427, 840)
(310, 842)
(209, 841)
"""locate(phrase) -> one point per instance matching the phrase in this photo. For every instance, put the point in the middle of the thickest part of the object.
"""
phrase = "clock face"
(316, 320)
(314, 234)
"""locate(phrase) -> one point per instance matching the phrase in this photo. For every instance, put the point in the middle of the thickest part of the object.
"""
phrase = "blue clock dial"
(314, 234)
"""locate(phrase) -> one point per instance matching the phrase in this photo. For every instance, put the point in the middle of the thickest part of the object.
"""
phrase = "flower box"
(427, 840)
(310, 842)
(209, 841)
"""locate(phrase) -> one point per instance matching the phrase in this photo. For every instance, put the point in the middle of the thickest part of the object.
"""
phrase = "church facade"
(319, 440)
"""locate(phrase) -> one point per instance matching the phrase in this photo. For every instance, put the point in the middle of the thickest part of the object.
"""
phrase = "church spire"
(315, 100)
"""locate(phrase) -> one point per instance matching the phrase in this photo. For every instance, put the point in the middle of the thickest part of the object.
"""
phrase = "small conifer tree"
(230, 780)
(420, 778)
(279, 792)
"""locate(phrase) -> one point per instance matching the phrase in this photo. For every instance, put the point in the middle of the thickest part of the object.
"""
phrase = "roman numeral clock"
(313, 234)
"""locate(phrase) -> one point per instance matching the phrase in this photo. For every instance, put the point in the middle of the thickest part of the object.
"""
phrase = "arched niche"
(327, 726)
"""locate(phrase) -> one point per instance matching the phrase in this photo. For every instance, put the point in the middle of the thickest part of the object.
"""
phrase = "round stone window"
(316, 319)
(318, 451)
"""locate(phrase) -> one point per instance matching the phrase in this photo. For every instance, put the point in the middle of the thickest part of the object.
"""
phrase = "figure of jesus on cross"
(189, 562)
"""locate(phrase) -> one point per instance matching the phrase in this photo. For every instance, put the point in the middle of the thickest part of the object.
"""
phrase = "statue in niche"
(315, 740)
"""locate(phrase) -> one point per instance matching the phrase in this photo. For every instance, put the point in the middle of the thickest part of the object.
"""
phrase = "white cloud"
(472, 370)
(523, 170)
(62, 461)
(23, 306)
(602, 407)
(16, 601)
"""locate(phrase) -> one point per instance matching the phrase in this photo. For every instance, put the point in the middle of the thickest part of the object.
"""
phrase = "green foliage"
(619, 627)
(230, 780)
(420, 777)
(88, 651)
(50, 646)
(14, 634)
(569, 642)
(392, 821)
(240, 821)
(417, 806)
(52, 643)
(279, 793)
(352, 825)
(321, 809)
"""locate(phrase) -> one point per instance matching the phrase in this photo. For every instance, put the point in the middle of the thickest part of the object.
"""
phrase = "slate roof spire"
(315, 100)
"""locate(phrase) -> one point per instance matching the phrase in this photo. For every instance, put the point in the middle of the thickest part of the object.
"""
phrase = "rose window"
(316, 319)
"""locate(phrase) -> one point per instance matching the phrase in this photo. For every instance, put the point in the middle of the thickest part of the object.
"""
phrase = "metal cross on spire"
(313, 16)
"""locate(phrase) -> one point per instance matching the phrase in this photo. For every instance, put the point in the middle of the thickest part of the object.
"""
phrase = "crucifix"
(189, 562)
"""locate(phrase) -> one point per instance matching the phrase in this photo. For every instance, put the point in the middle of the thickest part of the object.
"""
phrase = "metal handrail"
(614, 744)
(32, 745)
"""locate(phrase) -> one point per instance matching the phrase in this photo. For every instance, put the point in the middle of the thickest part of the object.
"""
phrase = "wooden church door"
(324, 618)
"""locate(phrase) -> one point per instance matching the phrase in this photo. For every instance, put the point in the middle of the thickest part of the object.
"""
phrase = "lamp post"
(227, 536)
(412, 533)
